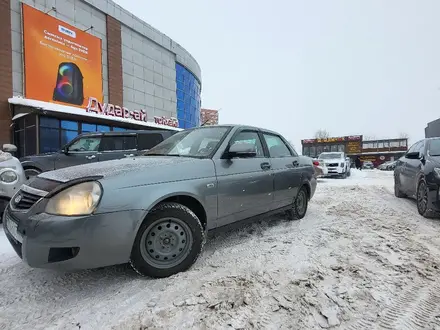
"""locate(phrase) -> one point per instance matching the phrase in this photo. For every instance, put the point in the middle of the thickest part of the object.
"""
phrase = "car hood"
(136, 170)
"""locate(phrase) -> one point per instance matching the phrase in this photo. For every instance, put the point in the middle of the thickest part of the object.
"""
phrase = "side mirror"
(65, 150)
(9, 147)
(242, 150)
(413, 155)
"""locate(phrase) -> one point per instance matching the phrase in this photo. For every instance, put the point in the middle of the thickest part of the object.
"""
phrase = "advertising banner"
(62, 64)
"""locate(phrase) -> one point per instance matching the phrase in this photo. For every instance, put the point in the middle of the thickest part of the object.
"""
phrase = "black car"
(417, 175)
(95, 147)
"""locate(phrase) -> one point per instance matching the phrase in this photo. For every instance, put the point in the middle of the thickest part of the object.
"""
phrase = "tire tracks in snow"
(416, 308)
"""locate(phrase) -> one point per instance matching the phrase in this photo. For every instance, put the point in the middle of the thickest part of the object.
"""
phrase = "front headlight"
(8, 176)
(80, 199)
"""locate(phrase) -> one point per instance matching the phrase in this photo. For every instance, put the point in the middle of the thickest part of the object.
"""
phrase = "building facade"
(432, 129)
(376, 151)
(208, 117)
(75, 66)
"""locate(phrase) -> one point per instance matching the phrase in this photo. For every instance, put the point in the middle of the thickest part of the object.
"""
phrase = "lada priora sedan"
(154, 211)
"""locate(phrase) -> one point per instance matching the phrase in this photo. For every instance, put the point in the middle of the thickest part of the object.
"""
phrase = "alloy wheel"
(422, 197)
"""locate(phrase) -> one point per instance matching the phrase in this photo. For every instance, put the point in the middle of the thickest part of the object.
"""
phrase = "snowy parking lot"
(360, 259)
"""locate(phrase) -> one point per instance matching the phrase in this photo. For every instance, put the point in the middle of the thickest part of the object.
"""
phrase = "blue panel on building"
(188, 98)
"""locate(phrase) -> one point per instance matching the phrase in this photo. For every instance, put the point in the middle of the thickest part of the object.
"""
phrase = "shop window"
(380, 144)
(86, 128)
(49, 122)
(69, 131)
(119, 129)
(25, 135)
(394, 144)
(49, 139)
(318, 150)
(341, 148)
(334, 148)
(306, 151)
(312, 152)
(102, 128)
(325, 148)
(386, 144)
(403, 143)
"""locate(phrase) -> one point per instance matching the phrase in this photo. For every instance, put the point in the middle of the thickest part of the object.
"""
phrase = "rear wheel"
(299, 205)
(423, 200)
(169, 241)
(397, 192)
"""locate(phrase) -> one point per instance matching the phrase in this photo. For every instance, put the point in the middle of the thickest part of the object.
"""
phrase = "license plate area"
(12, 228)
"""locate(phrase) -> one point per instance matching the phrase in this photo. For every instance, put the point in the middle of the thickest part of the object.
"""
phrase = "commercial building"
(209, 117)
(376, 151)
(75, 66)
(432, 129)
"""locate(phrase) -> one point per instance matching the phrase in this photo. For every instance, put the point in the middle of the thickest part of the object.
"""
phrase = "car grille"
(27, 200)
(332, 164)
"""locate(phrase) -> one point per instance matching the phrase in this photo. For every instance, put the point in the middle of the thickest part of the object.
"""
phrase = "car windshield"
(331, 155)
(434, 147)
(199, 143)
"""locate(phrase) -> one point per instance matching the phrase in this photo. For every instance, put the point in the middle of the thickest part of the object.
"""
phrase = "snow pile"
(360, 259)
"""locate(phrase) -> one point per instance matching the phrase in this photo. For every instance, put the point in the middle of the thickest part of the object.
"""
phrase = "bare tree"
(322, 134)
(403, 135)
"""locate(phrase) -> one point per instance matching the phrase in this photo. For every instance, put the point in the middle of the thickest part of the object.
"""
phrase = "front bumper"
(333, 171)
(71, 243)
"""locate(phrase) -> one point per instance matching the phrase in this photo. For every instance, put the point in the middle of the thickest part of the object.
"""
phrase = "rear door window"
(118, 142)
(148, 141)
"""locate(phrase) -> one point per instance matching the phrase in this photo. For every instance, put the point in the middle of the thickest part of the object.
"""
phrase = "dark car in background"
(154, 211)
(417, 175)
(95, 147)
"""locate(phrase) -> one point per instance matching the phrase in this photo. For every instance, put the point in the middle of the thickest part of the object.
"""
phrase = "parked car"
(417, 175)
(95, 147)
(387, 166)
(11, 175)
(337, 164)
(154, 211)
(368, 165)
(320, 168)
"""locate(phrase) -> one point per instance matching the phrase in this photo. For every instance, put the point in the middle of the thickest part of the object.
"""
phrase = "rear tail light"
(316, 163)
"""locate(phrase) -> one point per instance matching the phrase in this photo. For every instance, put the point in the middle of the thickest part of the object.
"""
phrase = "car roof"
(240, 126)
(128, 132)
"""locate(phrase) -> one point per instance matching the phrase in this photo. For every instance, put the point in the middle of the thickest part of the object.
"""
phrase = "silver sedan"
(154, 211)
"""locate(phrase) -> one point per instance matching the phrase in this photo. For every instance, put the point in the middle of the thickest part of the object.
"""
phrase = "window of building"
(318, 150)
(49, 134)
(403, 143)
(312, 152)
(394, 144)
(386, 144)
(188, 98)
(380, 144)
(306, 151)
(334, 148)
(25, 131)
(341, 148)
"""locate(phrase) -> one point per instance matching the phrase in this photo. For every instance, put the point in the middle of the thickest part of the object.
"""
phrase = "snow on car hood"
(148, 169)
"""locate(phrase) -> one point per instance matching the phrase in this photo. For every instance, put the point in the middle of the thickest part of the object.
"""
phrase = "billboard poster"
(62, 64)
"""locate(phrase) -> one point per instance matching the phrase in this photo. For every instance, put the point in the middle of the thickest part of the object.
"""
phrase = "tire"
(31, 172)
(154, 254)
(422, 198)
(397, 192)
(344, 175)
(349, 172)
(299, 205)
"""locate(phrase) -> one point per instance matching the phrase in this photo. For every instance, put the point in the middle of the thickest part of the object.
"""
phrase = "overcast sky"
(368, 67)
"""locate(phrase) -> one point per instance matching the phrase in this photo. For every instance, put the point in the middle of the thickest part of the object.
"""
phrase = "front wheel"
(169, 241)
(299, 205)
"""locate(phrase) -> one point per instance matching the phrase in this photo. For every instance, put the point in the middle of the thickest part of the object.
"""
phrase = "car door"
(117, 146)
(287, 170)
(82, 150)
(413, 167)
(406, 170)
(245, 185)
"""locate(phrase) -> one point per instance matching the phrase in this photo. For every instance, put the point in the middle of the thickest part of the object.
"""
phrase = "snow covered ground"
(360, 259)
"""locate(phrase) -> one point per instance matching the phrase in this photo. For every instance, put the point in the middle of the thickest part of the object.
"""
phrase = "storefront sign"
(108, 109)
(69, 61)
(333, 139)
(354, 147)
(166, 121)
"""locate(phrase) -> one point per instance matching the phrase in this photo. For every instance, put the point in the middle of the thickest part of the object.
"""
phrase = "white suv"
(336, 163)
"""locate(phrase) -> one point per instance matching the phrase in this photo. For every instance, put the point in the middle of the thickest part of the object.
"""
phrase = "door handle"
(265, 166)
(129, 155)
(295, 163)
(91, 157)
